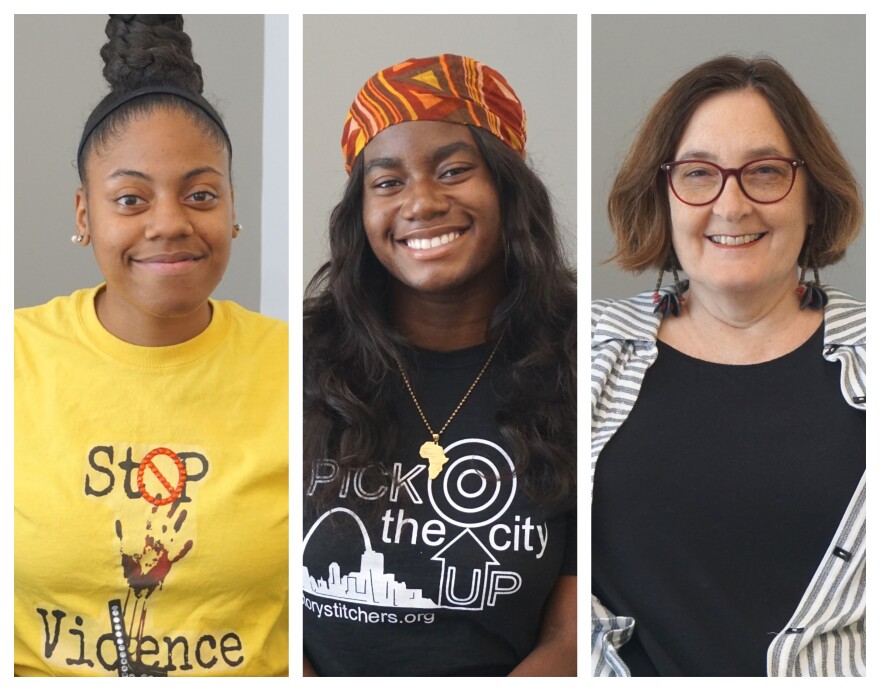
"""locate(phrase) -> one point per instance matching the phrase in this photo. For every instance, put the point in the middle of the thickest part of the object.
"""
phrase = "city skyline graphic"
(370, 585)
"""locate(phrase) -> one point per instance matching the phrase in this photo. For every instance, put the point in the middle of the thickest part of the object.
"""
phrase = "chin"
(435, 286)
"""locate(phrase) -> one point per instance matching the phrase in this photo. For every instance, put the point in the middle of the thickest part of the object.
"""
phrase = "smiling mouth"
(179, 262)
(734, 240)
(430, 243)
(170, 258)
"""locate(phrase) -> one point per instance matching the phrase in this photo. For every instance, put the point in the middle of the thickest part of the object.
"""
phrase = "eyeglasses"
(765, 181)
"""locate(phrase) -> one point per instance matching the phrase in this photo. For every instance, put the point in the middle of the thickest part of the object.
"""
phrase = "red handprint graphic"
(146, 564)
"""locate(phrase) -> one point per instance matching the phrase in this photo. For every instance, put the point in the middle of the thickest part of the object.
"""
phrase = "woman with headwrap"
(439, 374)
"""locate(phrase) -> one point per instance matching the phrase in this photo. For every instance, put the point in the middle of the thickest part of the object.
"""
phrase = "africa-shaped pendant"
(432, 452)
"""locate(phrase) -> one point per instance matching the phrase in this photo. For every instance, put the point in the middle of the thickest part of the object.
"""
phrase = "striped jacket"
(825, 636)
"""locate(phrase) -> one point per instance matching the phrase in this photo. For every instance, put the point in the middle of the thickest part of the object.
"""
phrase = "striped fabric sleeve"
(617, 368)
(826, 636)
(607, 634)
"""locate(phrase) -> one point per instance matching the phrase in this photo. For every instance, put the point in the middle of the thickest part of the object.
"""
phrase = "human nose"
(732, 203)
(168, 219)
(424, 199)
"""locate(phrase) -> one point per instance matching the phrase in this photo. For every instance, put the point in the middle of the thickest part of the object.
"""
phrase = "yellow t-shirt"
(151, 503)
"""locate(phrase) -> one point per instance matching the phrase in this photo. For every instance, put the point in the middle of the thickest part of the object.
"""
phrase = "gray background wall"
(536, 54)
(636, 57)
(58, 81)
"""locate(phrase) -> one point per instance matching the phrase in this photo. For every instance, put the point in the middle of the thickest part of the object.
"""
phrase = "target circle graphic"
(464, 480)
(476, 485)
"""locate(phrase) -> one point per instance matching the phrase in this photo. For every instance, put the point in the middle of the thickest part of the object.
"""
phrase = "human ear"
(81, 214)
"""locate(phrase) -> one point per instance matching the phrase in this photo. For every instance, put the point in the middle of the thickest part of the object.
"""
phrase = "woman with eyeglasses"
(728, 409)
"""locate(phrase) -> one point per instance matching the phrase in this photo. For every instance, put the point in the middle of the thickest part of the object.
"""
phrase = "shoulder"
(844, 319)
(253, 326)
(251, 318)
(628, 319)
(57, 316)
(840, 299)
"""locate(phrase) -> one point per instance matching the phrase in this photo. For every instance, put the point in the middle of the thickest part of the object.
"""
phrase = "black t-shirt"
(449, 576)
(715, 502)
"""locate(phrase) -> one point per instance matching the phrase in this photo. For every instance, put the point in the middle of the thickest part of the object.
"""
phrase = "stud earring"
(77, 239)
(236, 229)
(670, 301)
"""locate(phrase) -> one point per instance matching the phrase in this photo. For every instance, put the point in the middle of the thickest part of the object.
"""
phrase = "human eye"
(130, 200)
(696, 170)
(695, 175)
(455, 170)
(768, 169)
(385, 183)
(202, 196)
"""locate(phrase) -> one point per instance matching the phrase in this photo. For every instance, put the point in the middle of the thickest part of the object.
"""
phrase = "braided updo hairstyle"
(143, 51)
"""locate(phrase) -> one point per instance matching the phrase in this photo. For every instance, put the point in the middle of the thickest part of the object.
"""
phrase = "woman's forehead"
(733, 123)
(161, 137)
(419, 134)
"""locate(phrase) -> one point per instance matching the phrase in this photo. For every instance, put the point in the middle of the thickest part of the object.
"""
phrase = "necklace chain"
(436, 435)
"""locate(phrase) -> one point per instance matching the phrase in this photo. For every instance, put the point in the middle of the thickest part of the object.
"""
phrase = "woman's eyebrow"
(757, 152)
(129, 173)
(764, 151)
(694, 153)
(384, 162)
(448, 149)
(433, 158)
(198, 171)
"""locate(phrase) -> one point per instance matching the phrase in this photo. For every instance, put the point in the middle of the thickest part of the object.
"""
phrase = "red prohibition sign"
(173, 492)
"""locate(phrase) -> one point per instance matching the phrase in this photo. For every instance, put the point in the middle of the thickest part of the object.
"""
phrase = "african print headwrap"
(450, 88)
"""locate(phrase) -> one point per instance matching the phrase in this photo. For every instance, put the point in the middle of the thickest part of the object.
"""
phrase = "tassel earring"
(811, 294)
(670, 302)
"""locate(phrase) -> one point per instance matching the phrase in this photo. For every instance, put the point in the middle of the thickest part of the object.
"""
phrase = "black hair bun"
(149, 50)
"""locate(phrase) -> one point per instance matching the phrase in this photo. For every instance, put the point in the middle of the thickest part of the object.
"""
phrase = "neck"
(740, 328)
(448, 321)
(133, 326)
(746, 309)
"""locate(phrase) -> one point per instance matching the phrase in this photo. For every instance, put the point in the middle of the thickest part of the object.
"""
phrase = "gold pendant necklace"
(431, 451)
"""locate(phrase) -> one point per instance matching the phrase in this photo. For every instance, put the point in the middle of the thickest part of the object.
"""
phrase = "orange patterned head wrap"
(450, 88)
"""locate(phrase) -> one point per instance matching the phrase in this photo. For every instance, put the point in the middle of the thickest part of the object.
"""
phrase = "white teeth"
(734, 239)
(426, 244)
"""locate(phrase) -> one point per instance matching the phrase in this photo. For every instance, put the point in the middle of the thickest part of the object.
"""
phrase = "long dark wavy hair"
(351, 348)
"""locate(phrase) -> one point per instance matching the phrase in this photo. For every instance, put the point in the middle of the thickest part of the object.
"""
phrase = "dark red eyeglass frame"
(737, 173)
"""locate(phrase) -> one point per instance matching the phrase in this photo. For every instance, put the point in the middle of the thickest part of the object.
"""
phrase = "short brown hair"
(638, 206)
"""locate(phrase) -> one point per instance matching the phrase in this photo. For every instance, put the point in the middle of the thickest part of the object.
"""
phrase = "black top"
(414, 576)
(714, 503)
